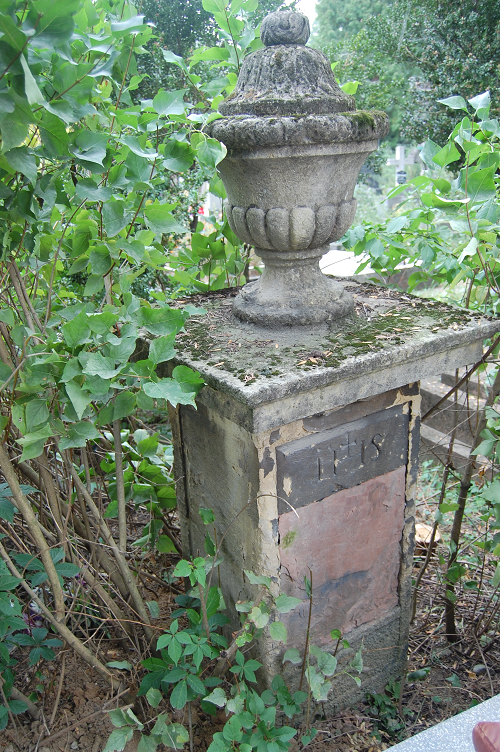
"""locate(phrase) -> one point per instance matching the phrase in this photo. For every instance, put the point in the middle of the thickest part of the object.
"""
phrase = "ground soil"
(74, 699)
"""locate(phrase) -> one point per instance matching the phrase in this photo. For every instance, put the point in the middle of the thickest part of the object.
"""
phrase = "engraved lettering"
(327, 465)
(313, 467)
(377, 442)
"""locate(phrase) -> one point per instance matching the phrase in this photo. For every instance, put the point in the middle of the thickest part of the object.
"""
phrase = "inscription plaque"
(316, 466)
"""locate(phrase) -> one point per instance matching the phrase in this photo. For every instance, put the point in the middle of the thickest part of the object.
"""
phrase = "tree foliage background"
(409, 54)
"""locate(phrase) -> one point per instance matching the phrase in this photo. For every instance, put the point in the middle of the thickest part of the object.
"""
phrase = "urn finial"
(284, 27)
(295, 145)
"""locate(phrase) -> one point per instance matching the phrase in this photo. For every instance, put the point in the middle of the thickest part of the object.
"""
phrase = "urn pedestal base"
(292, 291)
(304, 443)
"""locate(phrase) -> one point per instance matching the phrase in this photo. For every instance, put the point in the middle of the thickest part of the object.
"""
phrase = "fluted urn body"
(295, 145)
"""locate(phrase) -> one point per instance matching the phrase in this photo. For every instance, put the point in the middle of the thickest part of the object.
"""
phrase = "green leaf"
(123, 405)
(22, 161)
(278, 631)
(212, 53)
(327, 663)
(7, 316)
(100, 261)
(162, 349)
(208, 151)
(178, 156)
(121, 665)
(480, 185)
(79, 434)
(357, 662)
(182, 569)
(135, 147)
(286, 603)
(147, 744)
(79, 399)
(165, 545)
(114, 218)
(154, 697)
(481, 101)
(215, 6)
(455, 103)
(469, 250)
(495, 581)
(160, 219)
(232, 730)
(33, 93)
(418, 675)
(36, 413)
(206, 515)
(448, 154)
(87, 189)
(76, 332)
(7, 582)
(153, 609)
(293, 656)
(118, 739)
(179, 390)
(217, 697)
(55, 26)
(11, 33)
(95, 364)
(66, 569)
(90, 150)
(170, 102)
(196, 684)
(397, 224)
(7, 510)
(118, 28)
(350, 87)
(178, 698)
(171, 57)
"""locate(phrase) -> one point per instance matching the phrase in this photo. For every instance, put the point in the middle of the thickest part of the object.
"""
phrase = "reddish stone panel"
(351, 542)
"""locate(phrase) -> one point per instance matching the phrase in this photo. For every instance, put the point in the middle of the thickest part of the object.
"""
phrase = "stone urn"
(295, 145)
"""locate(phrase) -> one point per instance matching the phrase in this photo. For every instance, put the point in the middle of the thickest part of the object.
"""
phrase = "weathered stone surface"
(351, 542)
(354, 411)
(244, 132)
(286, 78)
(316, 466)
(284, 27)
(266, 379)
(292, 288)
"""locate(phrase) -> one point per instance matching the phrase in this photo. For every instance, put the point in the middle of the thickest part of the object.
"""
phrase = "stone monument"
(305, 438)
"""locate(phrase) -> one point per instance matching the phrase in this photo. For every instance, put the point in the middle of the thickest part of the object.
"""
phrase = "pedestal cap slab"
(263, 378)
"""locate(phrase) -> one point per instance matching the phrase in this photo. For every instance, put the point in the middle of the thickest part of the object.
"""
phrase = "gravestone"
(305, 438)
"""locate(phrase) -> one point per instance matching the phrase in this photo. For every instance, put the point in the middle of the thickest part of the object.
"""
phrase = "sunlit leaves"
(169, 102)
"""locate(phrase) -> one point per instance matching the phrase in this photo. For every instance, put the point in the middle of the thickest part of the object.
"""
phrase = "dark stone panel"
(331, 419)
(410, 390)
(267, 462)
(317, 466)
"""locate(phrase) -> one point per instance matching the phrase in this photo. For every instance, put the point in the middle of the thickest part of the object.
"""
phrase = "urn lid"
(286, 77)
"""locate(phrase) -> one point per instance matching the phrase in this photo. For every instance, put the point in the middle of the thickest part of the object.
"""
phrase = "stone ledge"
(454, 734)
(394, 338)
(244, 131)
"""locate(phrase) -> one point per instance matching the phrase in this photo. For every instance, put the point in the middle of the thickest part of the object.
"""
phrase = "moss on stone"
(214, 338)
(362, 118)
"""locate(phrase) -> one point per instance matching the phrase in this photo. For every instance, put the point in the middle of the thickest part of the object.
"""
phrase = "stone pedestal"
(314, 433)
